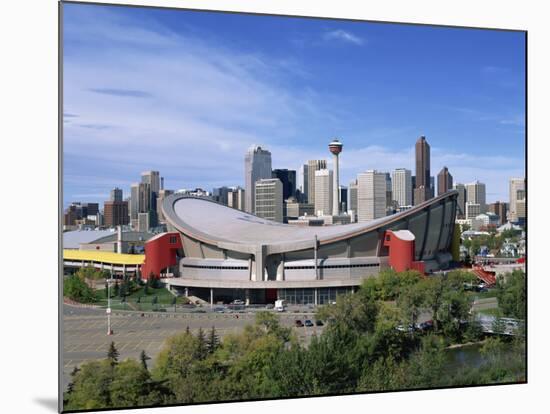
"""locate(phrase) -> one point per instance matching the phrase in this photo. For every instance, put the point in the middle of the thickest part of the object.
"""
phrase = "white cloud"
(343, 36)
(190, 108)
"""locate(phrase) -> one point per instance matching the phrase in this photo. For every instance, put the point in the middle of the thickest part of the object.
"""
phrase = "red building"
(160, 253)
(401, 251)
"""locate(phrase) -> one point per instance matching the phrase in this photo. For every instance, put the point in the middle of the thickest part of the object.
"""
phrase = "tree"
(116, 288)
(410, 300)
(130, 384)
(112, 355)
(213, 341)
(75, 288)
(143, 357)
(512, 294)
(202, 347)
(91, 387)
(434, 287)
(74, 372)
(270, 324)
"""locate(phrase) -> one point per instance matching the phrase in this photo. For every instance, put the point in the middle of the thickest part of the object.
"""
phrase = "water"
(468, 355)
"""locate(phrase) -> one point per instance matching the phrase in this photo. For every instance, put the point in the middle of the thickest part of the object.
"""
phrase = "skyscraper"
(371, 195)
(500, 209)
(235, 198)
(402, 187)
(152, 179)
(134, 204)
(461, 200)
(352, 197)
(257, 166)
(475, 193)
(144, 197)
(312, 167)
(422, 162)
(515, 185)
(304, 180)
(220, 195)
(323, 192)
(162, 195)
(444, 181)
(116, 194)
(269, 199)
(288, 179)
(115, 213)
(389, 195)
(343, 190)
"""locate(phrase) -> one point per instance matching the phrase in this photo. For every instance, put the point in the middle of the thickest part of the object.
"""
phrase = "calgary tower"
(335, 147)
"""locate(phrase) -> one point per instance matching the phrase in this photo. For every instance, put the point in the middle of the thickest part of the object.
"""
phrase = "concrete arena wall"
(432, 226)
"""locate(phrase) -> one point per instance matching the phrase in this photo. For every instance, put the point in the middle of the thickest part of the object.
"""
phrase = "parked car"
(426, 326)
(219, 310)
(402, 328)
(319, 322)
(308, 323)
(298, 323)
(269, 306)
(238, 302)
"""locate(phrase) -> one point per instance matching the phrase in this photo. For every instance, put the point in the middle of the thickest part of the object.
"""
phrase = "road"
(85, 331)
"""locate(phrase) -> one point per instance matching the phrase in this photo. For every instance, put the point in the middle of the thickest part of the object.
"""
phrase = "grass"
(490, 312)
(491, 293)
(164, 299)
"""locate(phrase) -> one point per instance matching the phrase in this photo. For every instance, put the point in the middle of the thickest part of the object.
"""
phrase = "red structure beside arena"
(160, 253)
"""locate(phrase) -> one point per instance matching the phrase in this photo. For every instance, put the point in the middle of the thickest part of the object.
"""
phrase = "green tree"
(75, 288)
(269, 322)
(112, 354)
(213, 341)
(202, 346)
(91, 387)
(411, 299)
(130, 384)
(116, 288)
(512, 294)
(143, 357)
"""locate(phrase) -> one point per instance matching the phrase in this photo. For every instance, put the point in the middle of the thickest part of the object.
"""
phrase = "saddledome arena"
(229, 254)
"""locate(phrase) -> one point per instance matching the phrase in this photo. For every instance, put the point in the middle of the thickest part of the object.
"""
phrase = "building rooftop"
(214, 223)
(73, 239)
(103, 257)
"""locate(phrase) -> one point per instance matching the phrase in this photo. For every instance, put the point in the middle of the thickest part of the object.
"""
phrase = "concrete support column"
(281, 271)
(315, 294)
(186, 292)
(315, 258)
(260, 263)
(211, 297)
(247, 296)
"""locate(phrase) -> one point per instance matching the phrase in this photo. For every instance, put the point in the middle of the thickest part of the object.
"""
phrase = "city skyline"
(286, 94)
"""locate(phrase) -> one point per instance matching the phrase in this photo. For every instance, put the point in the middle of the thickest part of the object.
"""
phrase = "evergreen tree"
(213, 341)
(112, 354)
(202, 347)
(70, 387)
(143, 357)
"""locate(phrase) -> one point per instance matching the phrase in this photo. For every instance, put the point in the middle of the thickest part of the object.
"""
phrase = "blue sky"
(186, 93)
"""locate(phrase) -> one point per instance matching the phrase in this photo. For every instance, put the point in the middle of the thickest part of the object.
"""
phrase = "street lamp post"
(109, 329)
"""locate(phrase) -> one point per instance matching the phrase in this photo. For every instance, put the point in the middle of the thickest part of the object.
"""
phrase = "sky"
(187, 93)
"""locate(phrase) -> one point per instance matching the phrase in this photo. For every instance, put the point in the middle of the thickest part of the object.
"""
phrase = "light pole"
(109, 330)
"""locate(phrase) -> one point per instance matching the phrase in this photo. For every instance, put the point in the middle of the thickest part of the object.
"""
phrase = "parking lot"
(85, 331)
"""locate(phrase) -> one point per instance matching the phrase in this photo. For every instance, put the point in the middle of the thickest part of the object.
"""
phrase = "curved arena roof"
(214, 223)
